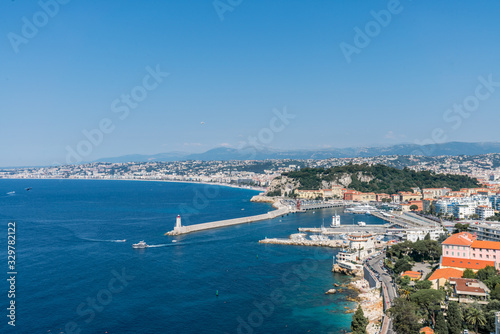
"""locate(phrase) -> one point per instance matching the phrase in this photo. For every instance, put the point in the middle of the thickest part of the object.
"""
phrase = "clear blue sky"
(232, 73)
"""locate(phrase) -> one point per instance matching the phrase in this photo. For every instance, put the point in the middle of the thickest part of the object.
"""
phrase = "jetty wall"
(229, 222)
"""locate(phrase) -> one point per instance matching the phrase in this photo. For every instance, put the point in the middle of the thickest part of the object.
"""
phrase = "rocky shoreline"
(370, 300)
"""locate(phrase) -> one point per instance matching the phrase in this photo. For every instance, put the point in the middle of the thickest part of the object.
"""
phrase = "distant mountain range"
(250, 153)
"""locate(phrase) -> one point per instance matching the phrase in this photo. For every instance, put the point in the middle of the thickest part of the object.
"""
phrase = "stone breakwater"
(303, 242)
(228, 222)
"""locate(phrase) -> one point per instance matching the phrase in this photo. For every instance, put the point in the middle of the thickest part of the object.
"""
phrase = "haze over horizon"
(145, 78)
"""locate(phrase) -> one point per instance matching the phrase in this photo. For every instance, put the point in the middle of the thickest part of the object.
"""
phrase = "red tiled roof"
(465, 263)
(445, 273)
(486, 244)
(467, 285)
(462, 238)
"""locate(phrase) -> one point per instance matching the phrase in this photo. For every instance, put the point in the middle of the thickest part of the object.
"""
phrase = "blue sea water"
(75, 276)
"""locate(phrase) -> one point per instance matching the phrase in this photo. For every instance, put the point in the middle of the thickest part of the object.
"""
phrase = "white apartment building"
(415, 235)
(464, 207)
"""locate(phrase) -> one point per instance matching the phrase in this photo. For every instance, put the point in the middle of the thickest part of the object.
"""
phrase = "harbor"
(284, 207)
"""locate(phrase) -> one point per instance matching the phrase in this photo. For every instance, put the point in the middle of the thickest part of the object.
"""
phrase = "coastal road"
(389, 290)
(384, 277)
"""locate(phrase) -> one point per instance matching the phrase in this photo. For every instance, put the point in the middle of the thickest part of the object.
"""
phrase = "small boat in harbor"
(140, 244)
(361, 224)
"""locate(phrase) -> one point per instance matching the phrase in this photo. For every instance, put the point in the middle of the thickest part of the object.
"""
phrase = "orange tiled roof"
(412, 274)
(445, 273)
(426, 330)
(485, 244)
(465, 263)
(462, 238)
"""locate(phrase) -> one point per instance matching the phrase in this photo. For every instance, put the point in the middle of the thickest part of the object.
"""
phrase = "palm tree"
(475, 317)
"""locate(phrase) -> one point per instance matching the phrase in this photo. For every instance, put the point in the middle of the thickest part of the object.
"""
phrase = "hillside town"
(255, 172)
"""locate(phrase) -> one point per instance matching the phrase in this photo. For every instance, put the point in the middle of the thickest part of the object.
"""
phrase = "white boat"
(360, 209)
(140, 244)
(361, 224)
(174, 240)
(11, 193)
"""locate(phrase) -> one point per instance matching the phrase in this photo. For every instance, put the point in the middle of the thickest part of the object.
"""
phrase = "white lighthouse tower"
(335, 221)
(178, 229)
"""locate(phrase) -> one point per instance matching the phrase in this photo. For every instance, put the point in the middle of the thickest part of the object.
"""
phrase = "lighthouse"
(178, 222)
(178, 229)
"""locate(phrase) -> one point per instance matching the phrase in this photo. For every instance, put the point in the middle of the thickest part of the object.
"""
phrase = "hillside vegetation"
(377, 178)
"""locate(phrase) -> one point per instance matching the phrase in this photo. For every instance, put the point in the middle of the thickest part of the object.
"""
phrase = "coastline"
(371, 302)
(254, 188)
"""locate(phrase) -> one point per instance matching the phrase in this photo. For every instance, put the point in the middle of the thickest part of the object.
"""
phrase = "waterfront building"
(405, 196)
(381, 197)
(362, 243)
(361, 246)
(435, 192)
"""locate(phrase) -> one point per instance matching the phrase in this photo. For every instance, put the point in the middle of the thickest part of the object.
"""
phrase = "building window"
(452, 253)
(446, 252)
(487, 256)
(463, 254)
(481, 255)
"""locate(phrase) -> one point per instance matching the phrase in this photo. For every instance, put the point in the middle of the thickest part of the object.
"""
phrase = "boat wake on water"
(98, 240)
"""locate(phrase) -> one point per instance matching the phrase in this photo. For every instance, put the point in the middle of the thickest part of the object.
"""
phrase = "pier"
(179, 229)
(304, 242)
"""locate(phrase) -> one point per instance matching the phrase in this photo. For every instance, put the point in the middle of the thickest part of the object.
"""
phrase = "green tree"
(461, 227)
(401, 266)
(432, 209)
(489, 313)
(486, 273)
(427, 236)
(422, 285)
(475, 316)
(495, 293)
(455, 318)
(469, 273)
(413, 207)
(441, 326)
(359, 322)
(429, 302)
(405, 316)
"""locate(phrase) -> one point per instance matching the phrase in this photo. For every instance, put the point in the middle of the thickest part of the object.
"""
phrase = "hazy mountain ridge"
(250, 153)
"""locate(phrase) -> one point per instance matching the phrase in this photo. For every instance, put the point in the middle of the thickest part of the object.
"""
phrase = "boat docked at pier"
(361, 209)
(140, 244)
